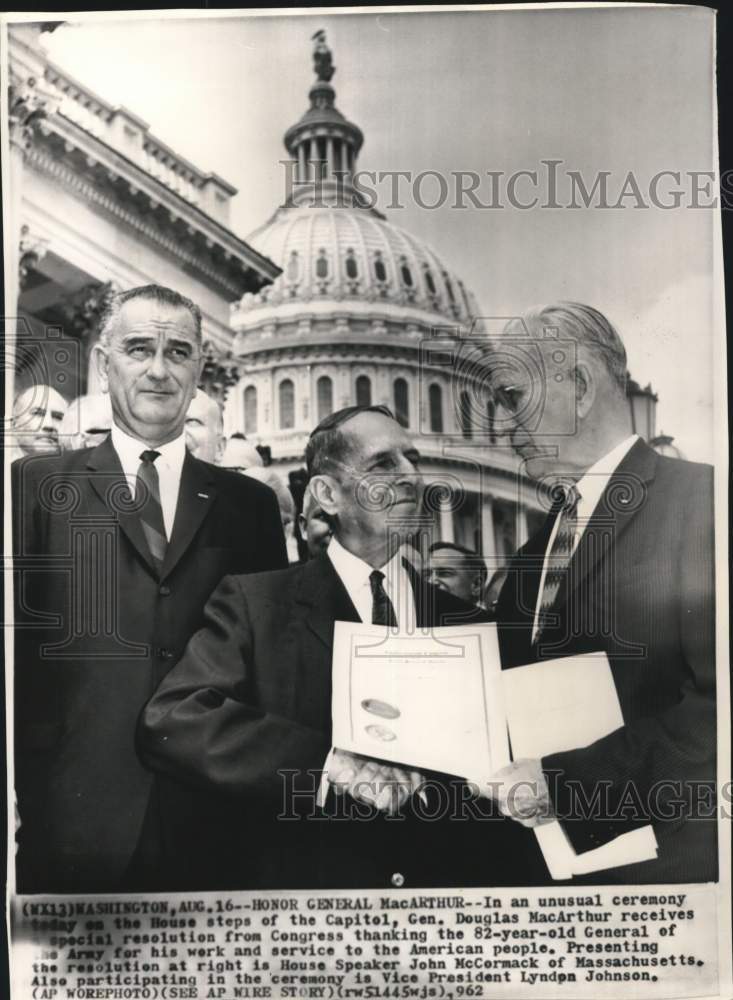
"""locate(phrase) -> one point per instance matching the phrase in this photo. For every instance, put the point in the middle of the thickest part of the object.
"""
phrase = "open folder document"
(561, 705)
(430, 700)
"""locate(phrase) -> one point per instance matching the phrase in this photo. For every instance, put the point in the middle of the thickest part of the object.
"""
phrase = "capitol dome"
(339, 255)
(365, 312)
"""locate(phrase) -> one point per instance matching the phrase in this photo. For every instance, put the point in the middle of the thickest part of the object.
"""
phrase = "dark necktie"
(382, 610)
(147, 495)
(559, 556)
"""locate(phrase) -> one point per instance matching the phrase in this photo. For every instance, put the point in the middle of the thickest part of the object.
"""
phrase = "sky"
(614, 90)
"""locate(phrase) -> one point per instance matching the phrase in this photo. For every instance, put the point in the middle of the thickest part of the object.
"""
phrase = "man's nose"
(158, 368)
(409, 472)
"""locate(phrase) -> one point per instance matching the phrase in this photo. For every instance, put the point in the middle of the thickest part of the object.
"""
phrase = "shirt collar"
(129, 449)
(354, 571)
(594, 480)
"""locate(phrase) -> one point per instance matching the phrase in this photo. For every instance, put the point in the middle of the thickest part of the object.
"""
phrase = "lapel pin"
(204, 496)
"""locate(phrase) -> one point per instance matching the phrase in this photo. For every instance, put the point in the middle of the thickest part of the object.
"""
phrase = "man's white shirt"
(354, 573)
(591, 487)
(169, 466)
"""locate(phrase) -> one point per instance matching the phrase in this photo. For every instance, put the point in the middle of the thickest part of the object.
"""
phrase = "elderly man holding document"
(247, 712)
(623, 566)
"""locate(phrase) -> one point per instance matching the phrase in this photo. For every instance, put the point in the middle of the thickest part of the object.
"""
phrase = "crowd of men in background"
(45, 423)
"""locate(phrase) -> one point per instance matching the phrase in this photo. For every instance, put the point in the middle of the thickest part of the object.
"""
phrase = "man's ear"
(325, 490)
(101, 362)
(585, 388)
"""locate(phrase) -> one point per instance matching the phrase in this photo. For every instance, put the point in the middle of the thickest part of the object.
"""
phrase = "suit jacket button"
(398, 880)
(164, 591)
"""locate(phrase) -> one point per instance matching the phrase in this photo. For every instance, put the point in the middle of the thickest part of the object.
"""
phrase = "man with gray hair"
(624, 565)
(155, 529)
(205, 428)
(86, 423)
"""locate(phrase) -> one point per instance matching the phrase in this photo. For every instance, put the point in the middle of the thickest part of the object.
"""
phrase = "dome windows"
(402, 402)
(429, 281)
(408, 282)
(322, 271)
(455, 308)
(322, 264)
(286, 403)
(363, 391)
(324, 396)
(465, 415)
(352, 265)
(435, 400)
(380, 269)
(250, 410)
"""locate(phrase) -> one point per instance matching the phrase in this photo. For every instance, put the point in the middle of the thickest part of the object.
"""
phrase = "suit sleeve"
(656, 768)
(203, 724)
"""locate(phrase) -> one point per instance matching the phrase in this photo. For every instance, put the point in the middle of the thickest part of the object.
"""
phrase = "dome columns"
(324, 154)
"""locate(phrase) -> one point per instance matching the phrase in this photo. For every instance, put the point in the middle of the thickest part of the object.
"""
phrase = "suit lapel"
(196, 494)
(109, 483)
(325, 598)
(623, 497)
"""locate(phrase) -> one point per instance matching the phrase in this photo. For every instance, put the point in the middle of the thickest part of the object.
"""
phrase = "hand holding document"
(522, 793)
(562, 705)
(386, 787)
(439, 701)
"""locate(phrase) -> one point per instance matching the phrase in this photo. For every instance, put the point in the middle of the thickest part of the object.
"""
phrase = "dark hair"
(151, 293)
(328, 445)
(472, 559)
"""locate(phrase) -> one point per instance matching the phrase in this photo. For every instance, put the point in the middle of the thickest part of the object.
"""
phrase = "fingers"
(385, 787)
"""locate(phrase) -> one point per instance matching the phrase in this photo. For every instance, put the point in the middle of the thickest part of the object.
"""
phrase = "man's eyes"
(141, 352)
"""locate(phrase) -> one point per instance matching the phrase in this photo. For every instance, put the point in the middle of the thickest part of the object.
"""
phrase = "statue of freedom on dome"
(322, 58)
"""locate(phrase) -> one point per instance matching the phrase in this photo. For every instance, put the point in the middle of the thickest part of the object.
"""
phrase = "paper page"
(431, 700)
(562, 705)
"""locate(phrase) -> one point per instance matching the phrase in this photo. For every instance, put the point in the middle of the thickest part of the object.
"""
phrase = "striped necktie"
(382, 609)
(558, 557)
(147, 495)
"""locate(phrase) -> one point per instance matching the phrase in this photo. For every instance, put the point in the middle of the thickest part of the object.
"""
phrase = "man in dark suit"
(117, 549)
(624, 564)
(247, 711)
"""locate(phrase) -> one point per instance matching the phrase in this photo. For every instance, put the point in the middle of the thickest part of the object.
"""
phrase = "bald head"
(240, 454)
(86, 423)
(204, 428)
(37, 415)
